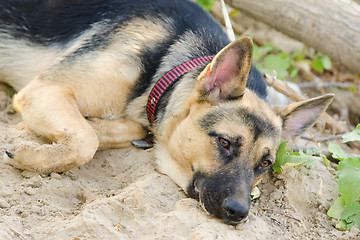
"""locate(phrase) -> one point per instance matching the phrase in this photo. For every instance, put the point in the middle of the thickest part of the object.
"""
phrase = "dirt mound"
(120, 195)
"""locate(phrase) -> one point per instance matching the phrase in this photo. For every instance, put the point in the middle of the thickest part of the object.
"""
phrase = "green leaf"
(286, 56)
(318, 65)
(347, 208)
(280, 157)
(336, 209)
(259, 52)
(292, 160)
(206, 4)
(352, 136)
(326, 62)
(351, 214)
(299, 55)
(233, 13)
(293, 72)
(286, 159)
(326, 161)
(348, 215)
(313, 151)
(295, 159)
(342, 225)
(277, 63)
(267, 48)
(337, 152)
(349, 179)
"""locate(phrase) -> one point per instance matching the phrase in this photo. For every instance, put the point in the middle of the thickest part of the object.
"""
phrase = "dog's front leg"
(49, 109)
(117, 133)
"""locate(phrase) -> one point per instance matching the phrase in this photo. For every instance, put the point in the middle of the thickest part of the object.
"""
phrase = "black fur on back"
(49, 22)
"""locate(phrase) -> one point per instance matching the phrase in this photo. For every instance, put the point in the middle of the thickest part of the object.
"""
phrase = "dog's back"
(35, 34)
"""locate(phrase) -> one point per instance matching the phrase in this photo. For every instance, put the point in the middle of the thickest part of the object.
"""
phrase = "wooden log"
(330, 26)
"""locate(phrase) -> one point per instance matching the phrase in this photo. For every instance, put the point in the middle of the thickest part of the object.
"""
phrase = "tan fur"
(184, 141)
(116, 133)
(177, 150)
(53, 104)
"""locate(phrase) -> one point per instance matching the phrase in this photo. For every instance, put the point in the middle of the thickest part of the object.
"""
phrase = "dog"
(97, 74)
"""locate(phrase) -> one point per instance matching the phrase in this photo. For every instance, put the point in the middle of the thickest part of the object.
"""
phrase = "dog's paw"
(40, 158)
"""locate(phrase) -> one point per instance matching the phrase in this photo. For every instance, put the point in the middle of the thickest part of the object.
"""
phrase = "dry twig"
(237, 28)
(229, 28)
(323, 139)
(283, 214)
(217, 13)
(319, 85)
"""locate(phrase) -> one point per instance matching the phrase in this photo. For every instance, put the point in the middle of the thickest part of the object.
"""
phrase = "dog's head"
(227, 136)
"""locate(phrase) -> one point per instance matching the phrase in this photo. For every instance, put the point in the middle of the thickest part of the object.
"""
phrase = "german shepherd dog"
(97, 74)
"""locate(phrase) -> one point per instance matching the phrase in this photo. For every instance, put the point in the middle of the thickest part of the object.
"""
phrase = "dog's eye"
(224, 143)
(265, 163)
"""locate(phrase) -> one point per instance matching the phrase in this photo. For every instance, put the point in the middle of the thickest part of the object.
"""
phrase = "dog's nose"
(235, 211)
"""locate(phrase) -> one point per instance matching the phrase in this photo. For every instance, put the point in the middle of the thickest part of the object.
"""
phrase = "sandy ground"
(120, 195)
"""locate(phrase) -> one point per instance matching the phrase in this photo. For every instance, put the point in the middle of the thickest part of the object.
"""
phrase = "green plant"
(321, 62)
(10, 92)
(346, 208)
(269, 58)
(285, 158)
(206, 4)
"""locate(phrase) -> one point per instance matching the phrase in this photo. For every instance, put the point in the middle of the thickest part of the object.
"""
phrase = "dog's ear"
(226, 76)
(298, 117)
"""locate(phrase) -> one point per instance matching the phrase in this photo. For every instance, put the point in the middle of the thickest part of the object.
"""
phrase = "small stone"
(24, 214)
(278, 183)
(30, 191)
(35, 181)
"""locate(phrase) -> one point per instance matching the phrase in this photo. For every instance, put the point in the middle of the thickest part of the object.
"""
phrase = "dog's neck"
(166, 82)
(185, 48)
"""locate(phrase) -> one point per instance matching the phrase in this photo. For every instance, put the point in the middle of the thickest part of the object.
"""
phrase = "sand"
(120, 195)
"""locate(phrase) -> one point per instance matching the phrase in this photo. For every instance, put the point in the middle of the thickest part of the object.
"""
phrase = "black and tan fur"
(83, 70)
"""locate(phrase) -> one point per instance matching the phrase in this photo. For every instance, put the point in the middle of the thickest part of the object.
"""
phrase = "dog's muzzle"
(222, 196)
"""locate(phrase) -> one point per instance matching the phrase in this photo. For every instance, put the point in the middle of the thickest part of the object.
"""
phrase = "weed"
(286, 159)
(346, 208)
(206, 4)
(269, 58)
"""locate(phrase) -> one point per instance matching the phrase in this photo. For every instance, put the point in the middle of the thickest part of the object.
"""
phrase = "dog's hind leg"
(117, 133)
(50, 109)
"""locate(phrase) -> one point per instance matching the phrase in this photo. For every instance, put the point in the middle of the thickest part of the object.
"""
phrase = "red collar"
(168, 80)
